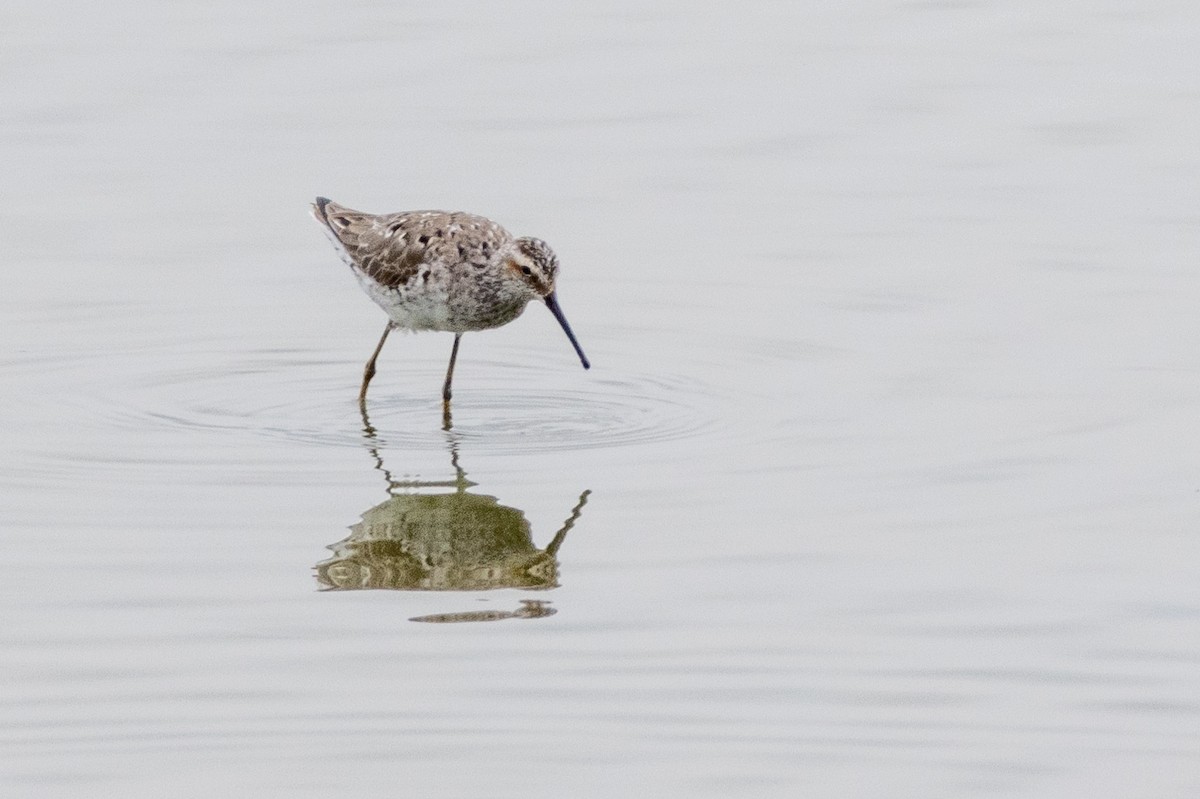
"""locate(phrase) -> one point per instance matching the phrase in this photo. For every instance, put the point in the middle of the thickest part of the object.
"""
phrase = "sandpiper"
(442, 270)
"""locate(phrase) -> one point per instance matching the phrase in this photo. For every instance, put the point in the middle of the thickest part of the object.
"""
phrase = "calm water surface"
(884, 482)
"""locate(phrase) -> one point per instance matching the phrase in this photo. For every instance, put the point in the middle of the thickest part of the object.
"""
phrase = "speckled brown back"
(390, 248)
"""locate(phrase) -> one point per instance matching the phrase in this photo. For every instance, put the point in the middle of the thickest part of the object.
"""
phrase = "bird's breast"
(452, 300)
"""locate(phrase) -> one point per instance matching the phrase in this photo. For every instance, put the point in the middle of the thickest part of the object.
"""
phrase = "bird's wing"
(391, 248)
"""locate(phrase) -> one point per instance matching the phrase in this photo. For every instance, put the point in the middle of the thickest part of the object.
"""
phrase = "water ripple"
(503, 407)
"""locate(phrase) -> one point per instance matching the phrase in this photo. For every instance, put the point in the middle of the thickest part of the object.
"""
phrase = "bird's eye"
(525, 270)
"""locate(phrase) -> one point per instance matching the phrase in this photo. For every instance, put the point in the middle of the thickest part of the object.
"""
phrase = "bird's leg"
(450, 373)
(369, 369)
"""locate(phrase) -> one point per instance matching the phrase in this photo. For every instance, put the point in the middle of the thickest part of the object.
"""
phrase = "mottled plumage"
(442, 270)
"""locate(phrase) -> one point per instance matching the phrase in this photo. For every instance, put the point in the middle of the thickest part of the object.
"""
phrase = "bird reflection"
(529, 609)
(449, 540)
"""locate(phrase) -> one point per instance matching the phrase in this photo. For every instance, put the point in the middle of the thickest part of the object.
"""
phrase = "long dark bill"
(552, 304)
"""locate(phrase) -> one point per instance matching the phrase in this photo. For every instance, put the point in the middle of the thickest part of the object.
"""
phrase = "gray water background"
(891, 435)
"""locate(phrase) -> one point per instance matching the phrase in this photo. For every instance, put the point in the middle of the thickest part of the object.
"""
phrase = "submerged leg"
(369, 369)
(450, 371)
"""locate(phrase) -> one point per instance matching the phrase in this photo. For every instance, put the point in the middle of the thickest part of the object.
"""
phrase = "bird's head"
(535, 265)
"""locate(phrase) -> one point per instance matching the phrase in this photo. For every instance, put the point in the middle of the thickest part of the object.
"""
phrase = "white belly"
(426, 307)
